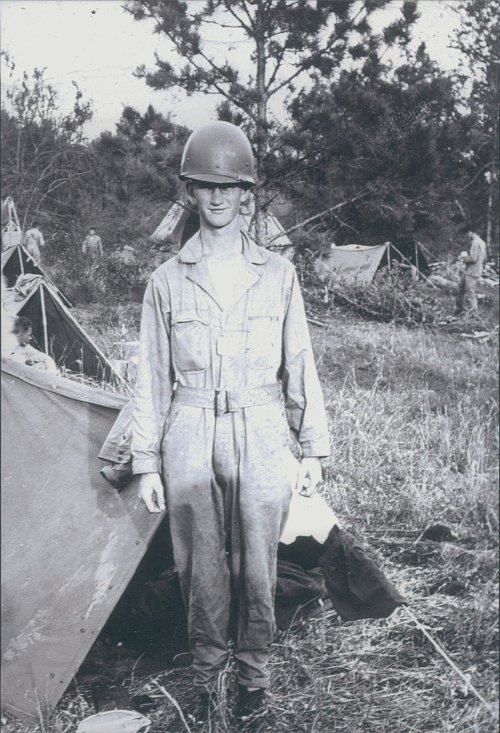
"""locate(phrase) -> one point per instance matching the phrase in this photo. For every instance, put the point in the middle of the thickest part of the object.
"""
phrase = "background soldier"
(474, 265)
(224, 322)
(33, 241)
(92, 247)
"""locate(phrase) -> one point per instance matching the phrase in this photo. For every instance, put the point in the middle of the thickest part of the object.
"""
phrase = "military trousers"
(466, 295)
(228, 480)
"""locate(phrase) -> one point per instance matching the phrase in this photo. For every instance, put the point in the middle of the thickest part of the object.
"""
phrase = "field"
(413, 425)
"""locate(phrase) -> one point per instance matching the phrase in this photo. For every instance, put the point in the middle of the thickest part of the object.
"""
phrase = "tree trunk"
(261, 120)
(493, 199)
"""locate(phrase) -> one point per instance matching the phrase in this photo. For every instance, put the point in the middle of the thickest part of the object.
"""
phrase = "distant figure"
(474, 261)
(92, 247)
(33, 241)
(24, 353)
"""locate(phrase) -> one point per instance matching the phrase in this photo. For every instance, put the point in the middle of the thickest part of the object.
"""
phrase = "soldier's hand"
(310, 476)
(152, 492)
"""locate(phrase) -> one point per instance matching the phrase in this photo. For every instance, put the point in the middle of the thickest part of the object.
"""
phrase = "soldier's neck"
(222, 244)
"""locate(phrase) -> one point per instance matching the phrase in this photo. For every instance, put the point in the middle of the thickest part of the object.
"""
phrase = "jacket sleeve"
(154, 382)
(474, 253)
(304, 404)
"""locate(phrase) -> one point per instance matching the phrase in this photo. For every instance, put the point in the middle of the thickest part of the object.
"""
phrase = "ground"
(413, 423)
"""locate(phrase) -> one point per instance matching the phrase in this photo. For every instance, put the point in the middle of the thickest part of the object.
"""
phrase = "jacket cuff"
(312, 449)
(145, 465)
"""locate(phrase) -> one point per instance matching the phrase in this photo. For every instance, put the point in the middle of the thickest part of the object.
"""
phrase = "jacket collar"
(192, 252)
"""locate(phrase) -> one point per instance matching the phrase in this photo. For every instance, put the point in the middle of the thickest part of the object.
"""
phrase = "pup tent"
(16, 262)
(357, 264)
(55, 330)
(180, 223)
(71, 544)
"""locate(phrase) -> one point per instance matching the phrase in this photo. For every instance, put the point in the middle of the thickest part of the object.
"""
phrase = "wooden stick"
(447, 659)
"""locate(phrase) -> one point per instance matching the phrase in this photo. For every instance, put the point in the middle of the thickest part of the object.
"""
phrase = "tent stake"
(447, 659)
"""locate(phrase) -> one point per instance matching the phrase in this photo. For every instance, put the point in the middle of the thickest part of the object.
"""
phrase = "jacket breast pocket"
(190, 342)
(263, 348)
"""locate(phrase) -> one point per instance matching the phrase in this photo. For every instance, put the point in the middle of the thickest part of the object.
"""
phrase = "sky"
(97, 44)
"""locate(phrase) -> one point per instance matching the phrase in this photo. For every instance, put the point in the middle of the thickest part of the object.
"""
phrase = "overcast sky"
(98, 44)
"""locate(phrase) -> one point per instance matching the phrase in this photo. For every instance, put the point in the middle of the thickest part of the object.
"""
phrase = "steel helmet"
(218, 153)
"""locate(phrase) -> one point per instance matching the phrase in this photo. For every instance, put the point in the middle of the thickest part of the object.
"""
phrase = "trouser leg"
(195, 502)
(264, 477)
(459, 302)
(470, 297)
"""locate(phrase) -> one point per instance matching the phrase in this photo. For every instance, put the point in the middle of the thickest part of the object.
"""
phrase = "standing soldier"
(223, 338)
(474, 264)
(92, 247)
(33, 241)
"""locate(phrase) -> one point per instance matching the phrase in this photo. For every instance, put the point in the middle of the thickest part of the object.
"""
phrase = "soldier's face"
(24, 337)
(218, 203)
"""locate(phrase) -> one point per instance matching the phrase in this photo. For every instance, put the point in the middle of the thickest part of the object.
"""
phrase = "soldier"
(92, 248)
(474, 261)
(223, 339)
(33, 241)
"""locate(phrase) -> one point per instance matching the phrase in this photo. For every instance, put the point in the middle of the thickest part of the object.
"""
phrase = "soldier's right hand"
(152, 492)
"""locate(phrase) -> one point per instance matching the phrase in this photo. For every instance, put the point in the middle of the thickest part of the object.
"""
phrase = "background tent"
(180, 223)
(57, 333)
(17, 261)
(357, 263)
(70, 543)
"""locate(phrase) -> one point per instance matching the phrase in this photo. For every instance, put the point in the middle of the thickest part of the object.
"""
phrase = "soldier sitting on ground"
(25, 353)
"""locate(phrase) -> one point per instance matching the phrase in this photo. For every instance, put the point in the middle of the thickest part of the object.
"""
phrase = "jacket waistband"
(227, 400)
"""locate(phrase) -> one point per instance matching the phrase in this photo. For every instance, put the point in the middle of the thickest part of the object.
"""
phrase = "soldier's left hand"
(310, 476)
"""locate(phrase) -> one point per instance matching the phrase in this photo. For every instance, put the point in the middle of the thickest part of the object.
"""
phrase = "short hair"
(21, 324)
(465, 228)
(34, 223)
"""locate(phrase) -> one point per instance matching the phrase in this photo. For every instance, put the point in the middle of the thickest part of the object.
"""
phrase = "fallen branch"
(316, 216)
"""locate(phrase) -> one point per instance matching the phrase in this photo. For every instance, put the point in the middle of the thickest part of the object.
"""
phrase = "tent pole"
(44, 319)
(407, 260)
(416, 256)
(21, 263)
(389, 264)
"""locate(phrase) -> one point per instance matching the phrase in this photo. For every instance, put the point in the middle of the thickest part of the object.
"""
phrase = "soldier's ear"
(246, 196)
(189, 195)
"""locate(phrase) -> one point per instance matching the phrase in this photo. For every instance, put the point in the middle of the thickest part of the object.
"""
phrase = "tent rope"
(447, 659)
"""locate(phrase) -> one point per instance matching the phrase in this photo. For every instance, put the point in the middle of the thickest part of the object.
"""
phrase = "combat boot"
(252, 707)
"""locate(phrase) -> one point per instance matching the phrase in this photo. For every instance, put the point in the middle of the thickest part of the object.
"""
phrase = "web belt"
(227, 400)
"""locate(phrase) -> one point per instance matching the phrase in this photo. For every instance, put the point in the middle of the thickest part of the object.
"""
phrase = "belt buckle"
(221, 402)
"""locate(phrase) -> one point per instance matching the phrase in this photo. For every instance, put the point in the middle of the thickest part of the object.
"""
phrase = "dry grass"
(413, 424)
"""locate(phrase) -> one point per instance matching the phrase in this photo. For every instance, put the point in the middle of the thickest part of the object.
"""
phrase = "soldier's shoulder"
(166, 269)
(280, 263)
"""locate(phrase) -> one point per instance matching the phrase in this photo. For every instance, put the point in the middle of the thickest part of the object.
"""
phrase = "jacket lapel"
(197, 272)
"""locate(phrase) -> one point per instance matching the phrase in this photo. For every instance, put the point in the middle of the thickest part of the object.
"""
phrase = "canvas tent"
(70, 543)
(358, 263)
(55, 330)
(180, 223)
(17, 261)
